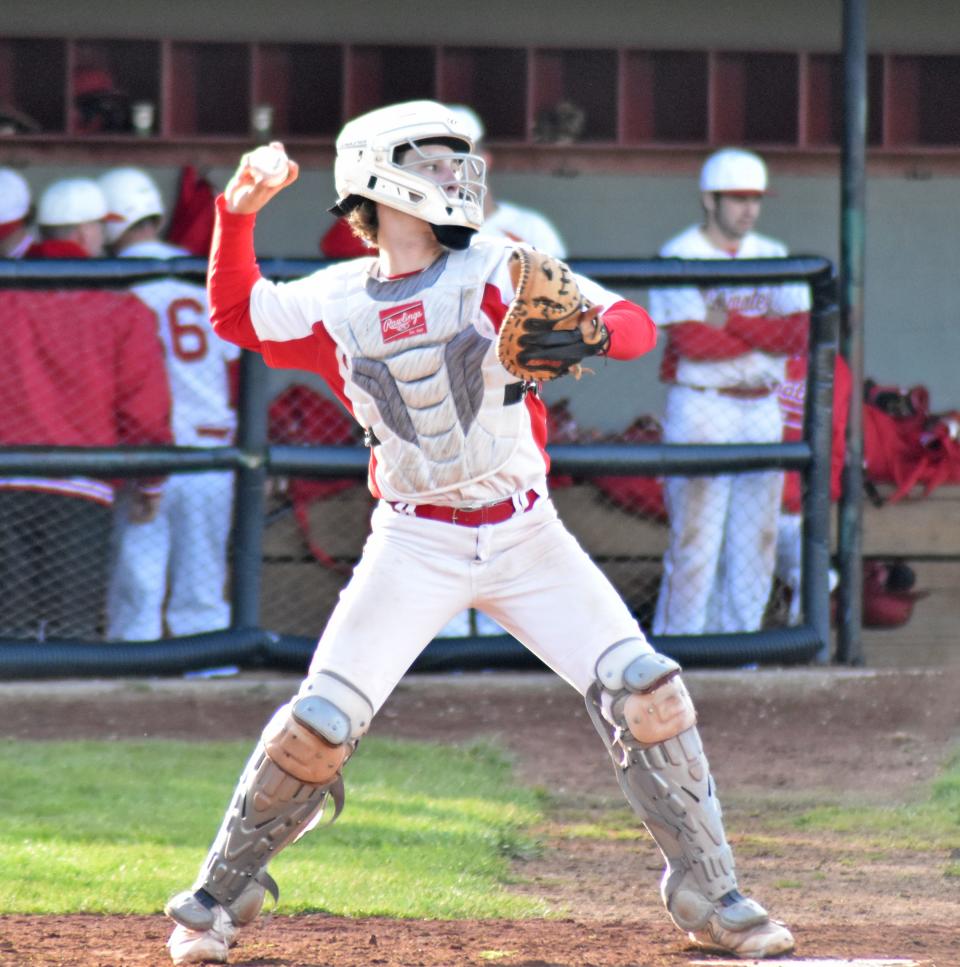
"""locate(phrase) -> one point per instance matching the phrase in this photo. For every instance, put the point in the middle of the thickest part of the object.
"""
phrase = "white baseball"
(270, 164)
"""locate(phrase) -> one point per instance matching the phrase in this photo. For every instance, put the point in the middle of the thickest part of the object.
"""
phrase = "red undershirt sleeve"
(231, 275)
(632, 332)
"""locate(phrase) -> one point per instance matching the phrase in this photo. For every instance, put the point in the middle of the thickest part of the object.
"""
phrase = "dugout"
(617, 189)
(251, 641)
(660, 87)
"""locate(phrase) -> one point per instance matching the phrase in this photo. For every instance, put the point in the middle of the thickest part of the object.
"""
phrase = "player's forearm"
(782, 335)
(632, 332)
(697, 340)
(231, 276)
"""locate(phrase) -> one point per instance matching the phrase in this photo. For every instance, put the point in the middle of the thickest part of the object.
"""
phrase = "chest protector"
(421, 370)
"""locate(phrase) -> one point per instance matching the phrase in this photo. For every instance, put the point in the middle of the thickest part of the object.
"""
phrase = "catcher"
(435, 347)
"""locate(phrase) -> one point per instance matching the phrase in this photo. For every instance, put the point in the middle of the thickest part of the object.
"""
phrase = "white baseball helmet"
(367, 166)
(71, 201)
(733, 169)
(131, 196)
(14, 196)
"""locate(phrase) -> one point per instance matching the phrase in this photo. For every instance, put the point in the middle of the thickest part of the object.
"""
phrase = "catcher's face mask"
(457, 173)
(416, 157)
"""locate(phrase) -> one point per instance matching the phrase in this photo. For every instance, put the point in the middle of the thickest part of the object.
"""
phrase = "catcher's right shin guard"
(645, 716)
(281, 795)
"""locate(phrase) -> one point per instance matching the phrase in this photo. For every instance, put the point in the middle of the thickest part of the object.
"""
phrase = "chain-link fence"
(684, 509)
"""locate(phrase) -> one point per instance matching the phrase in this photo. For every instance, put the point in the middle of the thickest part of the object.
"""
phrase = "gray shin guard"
(270, 810)
(670, 788)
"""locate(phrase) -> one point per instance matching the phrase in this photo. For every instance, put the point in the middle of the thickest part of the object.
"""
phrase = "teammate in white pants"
(181, 555)
(407, 343)
(725, 357)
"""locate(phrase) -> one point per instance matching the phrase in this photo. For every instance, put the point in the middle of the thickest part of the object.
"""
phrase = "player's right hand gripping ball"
(549, 328)
(268, 164)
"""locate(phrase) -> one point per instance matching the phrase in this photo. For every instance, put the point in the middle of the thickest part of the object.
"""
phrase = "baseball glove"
(549, 328)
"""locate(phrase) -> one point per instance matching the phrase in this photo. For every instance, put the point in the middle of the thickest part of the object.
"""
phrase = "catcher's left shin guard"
(646, 718)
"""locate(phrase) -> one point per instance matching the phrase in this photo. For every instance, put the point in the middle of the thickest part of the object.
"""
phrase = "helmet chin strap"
(456, 237)
(344, 206)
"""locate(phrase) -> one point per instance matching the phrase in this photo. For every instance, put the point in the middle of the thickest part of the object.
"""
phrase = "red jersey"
(81, 368)
(792, 394)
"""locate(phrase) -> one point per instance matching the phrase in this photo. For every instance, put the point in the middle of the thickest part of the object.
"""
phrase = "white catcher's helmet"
(367, 166)
(470, 121)
(131, 196)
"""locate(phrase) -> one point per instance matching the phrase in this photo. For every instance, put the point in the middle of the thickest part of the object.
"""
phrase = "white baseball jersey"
(524, 225)
(692, 304)
(197, 360)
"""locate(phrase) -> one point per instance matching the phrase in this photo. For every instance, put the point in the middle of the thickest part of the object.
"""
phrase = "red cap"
(92, 80)
(8, 228)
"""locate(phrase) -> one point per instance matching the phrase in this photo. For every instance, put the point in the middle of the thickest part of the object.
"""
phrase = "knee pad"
(642, 692)
(311, 737)
(333, 707)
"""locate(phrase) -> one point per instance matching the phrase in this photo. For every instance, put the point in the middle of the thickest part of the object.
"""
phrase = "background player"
(725, 357)
(15, 213)
(182, 552)
(503, 219)
(81, 368)
(407, 342)
(70, 219)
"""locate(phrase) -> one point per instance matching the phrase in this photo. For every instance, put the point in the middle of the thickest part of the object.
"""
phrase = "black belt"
(512, 393)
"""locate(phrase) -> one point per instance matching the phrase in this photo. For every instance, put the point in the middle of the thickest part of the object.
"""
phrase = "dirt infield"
(776, 739)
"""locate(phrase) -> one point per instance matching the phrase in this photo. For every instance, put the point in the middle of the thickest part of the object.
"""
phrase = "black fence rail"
(246, 644)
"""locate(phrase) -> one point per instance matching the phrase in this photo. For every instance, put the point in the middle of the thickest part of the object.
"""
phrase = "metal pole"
(248, 520)
(852, 247)
(814, 585)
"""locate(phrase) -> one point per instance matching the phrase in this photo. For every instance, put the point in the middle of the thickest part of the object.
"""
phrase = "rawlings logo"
(403, 322)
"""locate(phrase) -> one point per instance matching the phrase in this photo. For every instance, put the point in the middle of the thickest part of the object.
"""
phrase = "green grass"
(929, 823)
(428, 830)
(932, 823)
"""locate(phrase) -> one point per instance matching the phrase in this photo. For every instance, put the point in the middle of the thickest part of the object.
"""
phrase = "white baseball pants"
(718, 569)
(527, 573)
(183, 551)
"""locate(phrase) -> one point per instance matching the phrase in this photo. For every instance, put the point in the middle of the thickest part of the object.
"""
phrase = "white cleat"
(188, 946)
(761, 940)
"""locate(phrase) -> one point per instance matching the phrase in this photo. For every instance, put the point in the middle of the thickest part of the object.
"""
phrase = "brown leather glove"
(549, 328)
